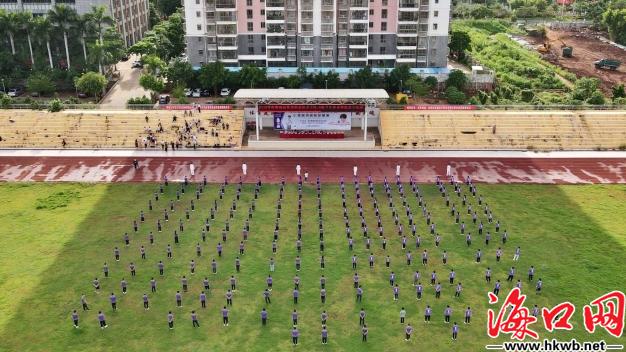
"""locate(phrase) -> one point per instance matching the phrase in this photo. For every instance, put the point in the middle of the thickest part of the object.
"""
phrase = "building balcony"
(225, 5)
(408, 4)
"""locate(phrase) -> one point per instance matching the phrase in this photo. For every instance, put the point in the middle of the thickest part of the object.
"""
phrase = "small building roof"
(310, 94)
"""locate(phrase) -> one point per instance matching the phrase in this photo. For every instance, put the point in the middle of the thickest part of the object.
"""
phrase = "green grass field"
(54, 239)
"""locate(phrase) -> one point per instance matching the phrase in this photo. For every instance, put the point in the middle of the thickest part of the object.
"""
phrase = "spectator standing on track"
(244, 169)
(192, 169)
(298, 168)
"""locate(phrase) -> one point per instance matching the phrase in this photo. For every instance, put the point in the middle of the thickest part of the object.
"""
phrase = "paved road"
(127, 87)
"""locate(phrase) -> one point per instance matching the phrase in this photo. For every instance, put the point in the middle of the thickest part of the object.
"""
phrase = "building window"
(262, 12)
(383, 39)
(385, 2)
(262, 48)
(383, 26)
(371, 24)
(262, 24)
(199, 39)
(250, 27)
(199, 27)
(249, 14)
(435, 26)
(383, 50)
(200, 52)
(198, 14)
(384, 13)
(436, 1)
(250, 38)
(248, 2)
(371, 12)
(436, 13)
(250, 50)
(197, 2)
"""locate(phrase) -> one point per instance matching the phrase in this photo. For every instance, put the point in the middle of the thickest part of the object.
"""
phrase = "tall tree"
(212, 75)
(459, 42)
(84, 26)
(64, 18)
(179, 72)
(41, 29)
(8, 25)
(24, 22)
(100, 21)
(250, 76)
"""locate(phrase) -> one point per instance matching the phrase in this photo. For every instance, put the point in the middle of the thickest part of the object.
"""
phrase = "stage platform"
(270, 140)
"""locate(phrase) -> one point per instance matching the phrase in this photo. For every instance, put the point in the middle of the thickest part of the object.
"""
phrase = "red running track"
(489, 170)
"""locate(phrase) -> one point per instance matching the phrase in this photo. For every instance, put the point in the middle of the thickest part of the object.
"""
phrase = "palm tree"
(24, 23)
(41, 28)
(84, 25)
(63, 17)
(8, 24)
(99, 20)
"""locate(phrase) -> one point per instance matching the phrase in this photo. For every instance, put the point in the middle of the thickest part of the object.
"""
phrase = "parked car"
(196, 93)
(225, 92)
(15, 92)
(205, 93)
(188, 92)
(34, 94)
(82, 95)
(137, 64)
(164, 99)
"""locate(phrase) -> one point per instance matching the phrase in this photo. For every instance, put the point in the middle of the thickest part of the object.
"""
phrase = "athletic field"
(54, 239)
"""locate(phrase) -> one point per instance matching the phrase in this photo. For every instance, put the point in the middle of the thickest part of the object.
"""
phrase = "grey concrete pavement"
(127, 87)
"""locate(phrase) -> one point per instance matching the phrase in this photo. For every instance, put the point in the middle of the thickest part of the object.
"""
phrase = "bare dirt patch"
(587, 49)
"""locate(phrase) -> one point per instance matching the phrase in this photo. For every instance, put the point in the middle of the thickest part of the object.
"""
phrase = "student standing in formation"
(295, 334)
(364, 329)
(446, 314)
(362, 317)
(203, 299)
(427, 313)
(455, 331)
(324, 335)
(408, 331)
(194, 319)
(531, 273)
(113, 300)
(170, 320)
(294, 317)
(225, 316)
(263, 316)
(75, 318)
(146, 302)
(102, 320)
(468, 315)
(179, 299)
(402, 315)
(518, 251)
(83, 302)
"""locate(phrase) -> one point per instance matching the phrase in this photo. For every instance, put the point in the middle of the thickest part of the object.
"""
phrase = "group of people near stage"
(461, 199)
